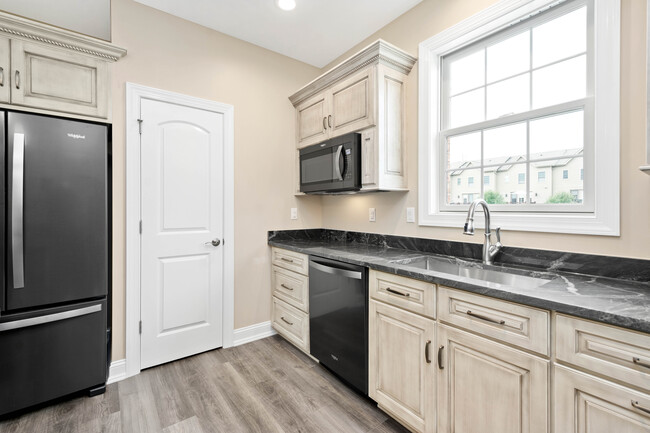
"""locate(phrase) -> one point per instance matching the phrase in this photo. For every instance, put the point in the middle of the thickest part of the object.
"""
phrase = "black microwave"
(332, 166)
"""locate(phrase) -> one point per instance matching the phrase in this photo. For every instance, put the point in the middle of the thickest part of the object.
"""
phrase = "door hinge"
(140, 126)
(140, 227)
(140, 326)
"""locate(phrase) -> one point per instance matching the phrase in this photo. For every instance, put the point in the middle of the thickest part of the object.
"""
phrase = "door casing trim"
(135, 93)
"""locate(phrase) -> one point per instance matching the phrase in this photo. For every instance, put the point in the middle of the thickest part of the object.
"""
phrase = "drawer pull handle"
(636, 405)
(440, 349)
(397, 292)
(284, 259)
(286, 321)
(426, 352)
(286, 287)
(486, 318)
(638, 361)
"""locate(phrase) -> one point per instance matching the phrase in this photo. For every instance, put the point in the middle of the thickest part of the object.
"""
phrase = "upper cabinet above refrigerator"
(45, 69)
(365, 94)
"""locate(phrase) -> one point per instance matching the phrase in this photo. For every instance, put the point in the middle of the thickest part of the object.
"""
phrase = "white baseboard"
(117, 371)
(252, 333)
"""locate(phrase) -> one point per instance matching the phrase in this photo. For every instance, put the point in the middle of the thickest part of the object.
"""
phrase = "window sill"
(581, 224)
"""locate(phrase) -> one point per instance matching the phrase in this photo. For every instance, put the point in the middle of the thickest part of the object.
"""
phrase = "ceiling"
(315, 32)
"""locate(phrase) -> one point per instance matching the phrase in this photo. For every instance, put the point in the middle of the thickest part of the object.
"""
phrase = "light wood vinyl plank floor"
(266, 386)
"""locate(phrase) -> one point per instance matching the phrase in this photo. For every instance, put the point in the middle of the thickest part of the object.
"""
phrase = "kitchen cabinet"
(401, 375)
(5, 70)
(45, 69)
(364, 94)
(484, 386)
(290, 300)
(587, 404)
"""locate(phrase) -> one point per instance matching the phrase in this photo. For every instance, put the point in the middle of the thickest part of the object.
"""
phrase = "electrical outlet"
(372, 214)
(410, 214)
(294, 213)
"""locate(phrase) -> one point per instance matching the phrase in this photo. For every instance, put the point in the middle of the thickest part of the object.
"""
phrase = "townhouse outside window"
(523, 99)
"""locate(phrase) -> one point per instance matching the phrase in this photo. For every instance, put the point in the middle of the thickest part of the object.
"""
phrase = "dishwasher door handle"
(336, 271)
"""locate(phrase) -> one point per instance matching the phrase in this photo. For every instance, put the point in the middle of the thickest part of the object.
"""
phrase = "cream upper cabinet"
(400, 363)
(311, 120)
(54, 79)
(365, 94)
(5, 70)
(586, 404)
(51, 70)
(484, 386)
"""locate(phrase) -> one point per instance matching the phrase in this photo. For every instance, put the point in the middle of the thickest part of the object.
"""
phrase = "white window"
(524, 86)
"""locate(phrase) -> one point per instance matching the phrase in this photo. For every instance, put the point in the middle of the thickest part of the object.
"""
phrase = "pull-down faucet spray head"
(469, 227)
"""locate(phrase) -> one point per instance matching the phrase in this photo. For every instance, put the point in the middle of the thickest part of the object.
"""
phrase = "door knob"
(214, 242)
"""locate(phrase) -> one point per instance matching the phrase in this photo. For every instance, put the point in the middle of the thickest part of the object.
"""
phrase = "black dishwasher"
(338, 319)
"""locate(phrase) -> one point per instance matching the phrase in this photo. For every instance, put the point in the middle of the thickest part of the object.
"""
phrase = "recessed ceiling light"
(286, 5)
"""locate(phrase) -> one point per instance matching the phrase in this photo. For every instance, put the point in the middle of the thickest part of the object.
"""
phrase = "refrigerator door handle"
(33, 321)
(17, 190)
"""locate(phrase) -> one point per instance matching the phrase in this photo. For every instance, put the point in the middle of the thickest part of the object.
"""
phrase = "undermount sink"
(431, 263)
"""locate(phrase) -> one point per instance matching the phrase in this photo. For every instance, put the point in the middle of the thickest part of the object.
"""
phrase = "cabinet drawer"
(290, 260)
(53, 79)
(291, 287)
(614, 352)
(291, 323)
(413, 295)
(516, 324)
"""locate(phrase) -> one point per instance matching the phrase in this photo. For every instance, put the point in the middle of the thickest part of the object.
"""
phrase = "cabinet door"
(353, 103)
(586, 404)
(485, 386)
(401, 379)
(53, 79)
(5, 70)
(311, 120)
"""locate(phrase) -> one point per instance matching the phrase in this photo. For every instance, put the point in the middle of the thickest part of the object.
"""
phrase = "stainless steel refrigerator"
(54, 200)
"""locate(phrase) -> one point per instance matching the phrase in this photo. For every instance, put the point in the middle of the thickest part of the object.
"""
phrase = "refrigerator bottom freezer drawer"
(59, 352)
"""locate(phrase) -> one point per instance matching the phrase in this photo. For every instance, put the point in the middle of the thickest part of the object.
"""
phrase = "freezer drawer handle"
(336, 271)
(33, 321)
(17, 190)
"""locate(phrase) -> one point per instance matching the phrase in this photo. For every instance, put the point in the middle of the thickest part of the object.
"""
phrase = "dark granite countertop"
(607, 295)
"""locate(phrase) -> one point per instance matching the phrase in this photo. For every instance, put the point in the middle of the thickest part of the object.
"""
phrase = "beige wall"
(172, 54)
(429, 18)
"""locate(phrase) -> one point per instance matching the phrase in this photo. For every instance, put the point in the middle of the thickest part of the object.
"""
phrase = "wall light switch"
(372, 214)
(410, 214)
(294, 213)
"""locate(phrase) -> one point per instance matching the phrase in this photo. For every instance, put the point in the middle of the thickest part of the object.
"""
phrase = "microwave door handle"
(337, 163)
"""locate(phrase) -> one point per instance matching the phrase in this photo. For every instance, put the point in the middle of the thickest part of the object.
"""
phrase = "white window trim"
(605, 219)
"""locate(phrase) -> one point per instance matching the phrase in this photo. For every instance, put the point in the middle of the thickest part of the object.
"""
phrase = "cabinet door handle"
(329, 120)
(286, 287)
(325, 122)
(17, 75)
(486, 318)
(397, 292)
(636, 405)
(286, 321)
(426, 352)
(638, 361)
(440, 349)
(284, 259)
(2, 76)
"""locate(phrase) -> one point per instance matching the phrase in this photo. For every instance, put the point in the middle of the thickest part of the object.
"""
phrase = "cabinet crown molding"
(379, 52)
(19, 27)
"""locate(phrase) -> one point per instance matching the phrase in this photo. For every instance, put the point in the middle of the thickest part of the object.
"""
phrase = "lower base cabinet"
(291, 323)
(401, 365)
(586, 404)
(485, 386)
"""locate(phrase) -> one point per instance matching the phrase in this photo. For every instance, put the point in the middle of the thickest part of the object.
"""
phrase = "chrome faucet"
(489, 250)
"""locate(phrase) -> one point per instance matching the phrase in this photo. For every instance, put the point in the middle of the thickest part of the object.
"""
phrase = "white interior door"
(182, 214)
